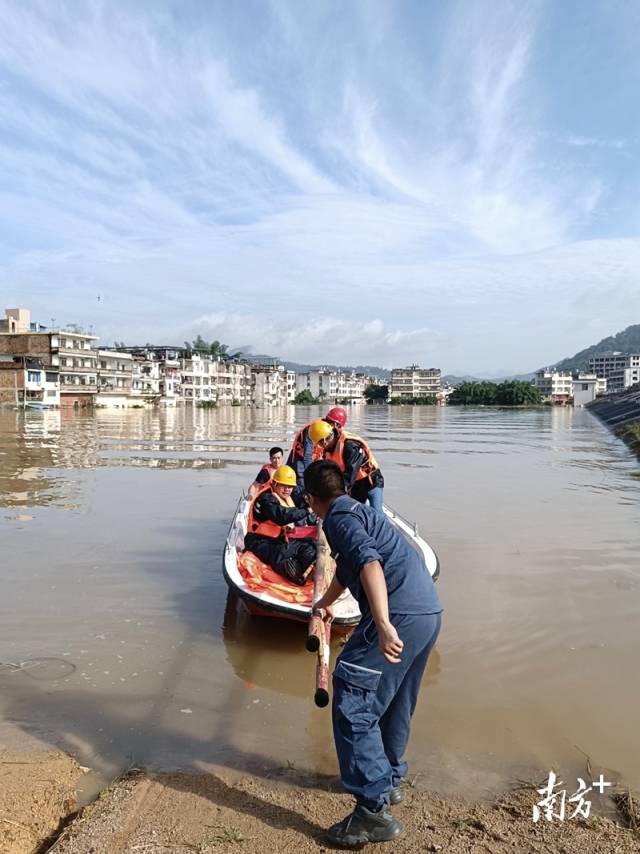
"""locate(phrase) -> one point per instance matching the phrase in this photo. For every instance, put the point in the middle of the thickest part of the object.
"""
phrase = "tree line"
(507, 393)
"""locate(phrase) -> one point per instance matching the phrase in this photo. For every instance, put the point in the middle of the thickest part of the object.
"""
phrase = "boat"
(264, 593)
(36, 404)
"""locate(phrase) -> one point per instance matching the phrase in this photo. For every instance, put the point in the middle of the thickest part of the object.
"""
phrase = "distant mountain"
(301, 368)
(627, 341)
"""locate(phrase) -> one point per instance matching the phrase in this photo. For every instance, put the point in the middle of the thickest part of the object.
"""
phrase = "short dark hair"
(275, 450)
(323, 480)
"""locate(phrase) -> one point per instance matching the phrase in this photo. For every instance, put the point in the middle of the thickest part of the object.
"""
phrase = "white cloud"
(320, 340)
(344, 183)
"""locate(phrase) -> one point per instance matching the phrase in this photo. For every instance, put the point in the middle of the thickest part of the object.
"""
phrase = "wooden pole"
(319, 637)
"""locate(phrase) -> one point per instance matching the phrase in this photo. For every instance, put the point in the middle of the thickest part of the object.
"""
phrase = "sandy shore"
(284, 810)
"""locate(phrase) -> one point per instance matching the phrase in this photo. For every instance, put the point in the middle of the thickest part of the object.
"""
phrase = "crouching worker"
(272, 515)
(377, 677)
(363, 479)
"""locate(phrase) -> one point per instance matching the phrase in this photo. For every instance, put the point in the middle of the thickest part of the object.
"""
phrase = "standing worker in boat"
(362, 476)
(303, 451)
(377, 676)
(276, 458)
(272, 515)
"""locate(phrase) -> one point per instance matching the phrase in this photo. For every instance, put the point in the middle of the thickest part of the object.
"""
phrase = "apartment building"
(145, 379)
(198, 379)
(163, 362)
(415, 381)
(66, 351)
(115, 375)
(25, 381)
(333, 386)
(621, 370)
(291, 386)
(269, 385)
(554, 385)
(234, 382)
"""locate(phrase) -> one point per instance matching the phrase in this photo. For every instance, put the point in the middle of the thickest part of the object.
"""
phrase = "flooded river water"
(112, 599)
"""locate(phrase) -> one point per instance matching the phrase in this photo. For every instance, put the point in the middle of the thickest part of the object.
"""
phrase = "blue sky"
(453, 184)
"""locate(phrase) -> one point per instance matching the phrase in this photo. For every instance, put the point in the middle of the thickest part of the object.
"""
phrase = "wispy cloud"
(390, 181)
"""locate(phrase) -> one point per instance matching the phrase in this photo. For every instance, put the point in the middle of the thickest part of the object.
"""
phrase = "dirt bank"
(37, 791)
(222, 810)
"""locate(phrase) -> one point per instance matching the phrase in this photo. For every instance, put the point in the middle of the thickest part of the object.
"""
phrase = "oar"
(319, 637)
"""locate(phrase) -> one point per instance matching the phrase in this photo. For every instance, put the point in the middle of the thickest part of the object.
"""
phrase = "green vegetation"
(376, 392)
(305, 398)
(206, 404)
(421, 400)
(508, 393)
(213, 348)
(632, 431)
(627, 341)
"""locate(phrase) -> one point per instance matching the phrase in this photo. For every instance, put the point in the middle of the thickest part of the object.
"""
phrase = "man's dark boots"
(364, 826)
(292, 571)
(396, 796)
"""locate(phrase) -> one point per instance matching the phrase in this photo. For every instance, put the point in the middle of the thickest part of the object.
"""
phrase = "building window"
(33, 376)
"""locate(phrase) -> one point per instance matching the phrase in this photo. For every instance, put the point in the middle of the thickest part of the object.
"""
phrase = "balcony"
(78, 388)
(79, 369)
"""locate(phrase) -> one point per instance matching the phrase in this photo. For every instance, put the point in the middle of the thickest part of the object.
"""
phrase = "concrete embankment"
(621, 413)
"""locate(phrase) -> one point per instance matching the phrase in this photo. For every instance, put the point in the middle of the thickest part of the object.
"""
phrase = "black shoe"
(396, 796)
(364, 826)
(292, 571)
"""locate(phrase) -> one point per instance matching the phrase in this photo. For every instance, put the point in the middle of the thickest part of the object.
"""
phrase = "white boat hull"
(346, 608)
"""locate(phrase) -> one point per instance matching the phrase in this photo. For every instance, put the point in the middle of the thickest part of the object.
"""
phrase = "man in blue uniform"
(377, 676)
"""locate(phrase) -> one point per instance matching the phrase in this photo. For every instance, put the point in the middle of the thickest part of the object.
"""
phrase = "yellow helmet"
(285, 476)
(319, 430)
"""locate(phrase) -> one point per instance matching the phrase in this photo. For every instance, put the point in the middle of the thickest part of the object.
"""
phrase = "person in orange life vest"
(363, 479)
(276, 458)
(272, 514)
(303, 452)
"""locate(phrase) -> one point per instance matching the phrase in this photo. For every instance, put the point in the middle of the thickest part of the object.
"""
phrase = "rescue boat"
(267, 594)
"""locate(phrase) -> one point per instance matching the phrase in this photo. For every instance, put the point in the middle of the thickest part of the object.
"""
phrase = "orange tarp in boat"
(260, 578)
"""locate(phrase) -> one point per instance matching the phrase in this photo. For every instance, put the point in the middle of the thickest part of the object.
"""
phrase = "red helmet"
(337, 415)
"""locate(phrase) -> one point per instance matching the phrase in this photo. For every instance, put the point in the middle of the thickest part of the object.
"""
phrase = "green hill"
(627, 341)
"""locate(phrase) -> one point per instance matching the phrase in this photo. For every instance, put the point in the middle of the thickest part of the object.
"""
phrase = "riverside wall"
(621, 413)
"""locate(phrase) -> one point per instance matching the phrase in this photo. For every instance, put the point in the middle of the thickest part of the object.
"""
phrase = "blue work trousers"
(375, 498)
(373, 701)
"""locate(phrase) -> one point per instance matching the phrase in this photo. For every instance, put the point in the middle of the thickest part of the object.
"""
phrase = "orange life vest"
(297, 446)
(269, 470)
(336, 455)
(267, 528)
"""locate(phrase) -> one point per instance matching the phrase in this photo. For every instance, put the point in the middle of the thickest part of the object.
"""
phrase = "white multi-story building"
(115, 370)
(26, 381)
(198, 379)
(333, 386)
(209, 378)
(621, 370)
(167, 360)
(554, 385)
(145, 379)
(233, 381)
(269, 385)
(291, 386)
(415, 382)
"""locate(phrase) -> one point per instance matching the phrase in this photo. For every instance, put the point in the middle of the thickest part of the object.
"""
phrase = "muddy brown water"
(130, 652)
